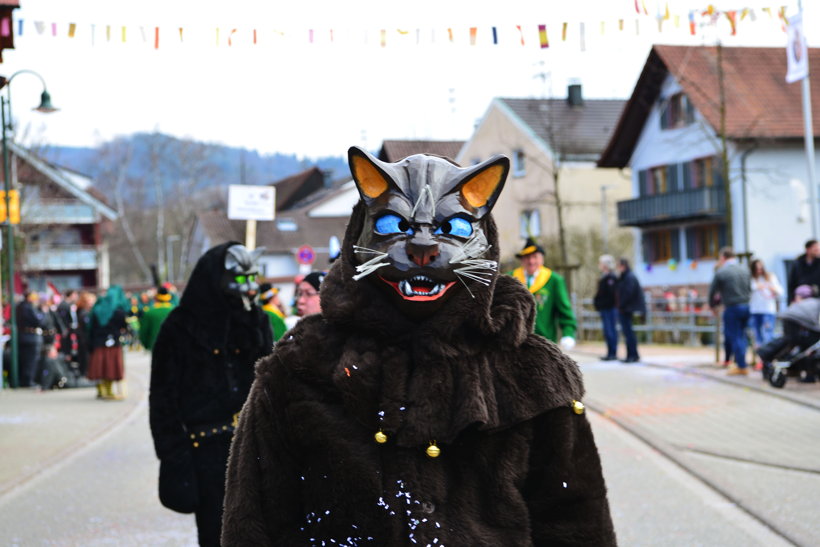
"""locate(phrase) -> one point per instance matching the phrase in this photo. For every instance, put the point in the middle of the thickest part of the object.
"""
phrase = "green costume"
(151, 321)
(553, 307)
(277, 322)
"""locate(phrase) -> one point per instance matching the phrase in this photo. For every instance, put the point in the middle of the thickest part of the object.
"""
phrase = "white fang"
(363, 270)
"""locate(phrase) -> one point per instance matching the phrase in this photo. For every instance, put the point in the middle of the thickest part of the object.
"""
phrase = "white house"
(670, 136)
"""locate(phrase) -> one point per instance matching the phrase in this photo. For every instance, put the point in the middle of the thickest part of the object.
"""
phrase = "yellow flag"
(14, 205)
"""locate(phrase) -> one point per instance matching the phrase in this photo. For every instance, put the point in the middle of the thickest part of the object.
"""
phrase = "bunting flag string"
(727, 21)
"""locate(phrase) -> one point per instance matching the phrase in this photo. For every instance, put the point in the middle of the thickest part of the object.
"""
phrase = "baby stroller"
(798, 350)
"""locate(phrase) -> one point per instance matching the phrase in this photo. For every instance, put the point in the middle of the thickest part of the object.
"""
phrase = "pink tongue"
(421, 289)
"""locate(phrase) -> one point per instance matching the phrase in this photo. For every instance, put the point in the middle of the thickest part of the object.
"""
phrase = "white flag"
(797, 52)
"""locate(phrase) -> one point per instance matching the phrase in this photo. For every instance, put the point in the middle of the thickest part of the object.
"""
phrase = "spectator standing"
(734, 285)
(106, 326)
(805, 270)
(307, 294)
(553, 307)
(269, 298)
(630, 300)
(30, 324)
(605, 304)
(85, 303)
(152, 319)
(766, 289)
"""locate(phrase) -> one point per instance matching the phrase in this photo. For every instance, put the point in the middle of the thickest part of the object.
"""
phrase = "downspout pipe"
(744, 181)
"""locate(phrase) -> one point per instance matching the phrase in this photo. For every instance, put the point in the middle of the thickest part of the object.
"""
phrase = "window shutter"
(690, 244)
(675, 235)
(721, 236)
(689, 109)
(717, 171)
(672, 178)
(642, 183)
(665, 115)
(687, 176)
(646, 245)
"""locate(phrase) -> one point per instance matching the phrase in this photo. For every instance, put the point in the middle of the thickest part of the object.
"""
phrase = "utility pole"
(808, 138)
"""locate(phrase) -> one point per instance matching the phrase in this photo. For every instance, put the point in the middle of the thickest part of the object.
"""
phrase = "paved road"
(104, 493)
(96, 484)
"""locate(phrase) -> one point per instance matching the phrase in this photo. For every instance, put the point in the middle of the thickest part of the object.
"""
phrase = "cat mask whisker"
(367, 268)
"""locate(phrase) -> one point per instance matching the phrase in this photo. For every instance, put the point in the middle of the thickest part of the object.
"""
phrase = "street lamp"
(5, 118)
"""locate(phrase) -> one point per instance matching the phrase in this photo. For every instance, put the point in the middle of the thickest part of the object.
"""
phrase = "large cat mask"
(424, 232)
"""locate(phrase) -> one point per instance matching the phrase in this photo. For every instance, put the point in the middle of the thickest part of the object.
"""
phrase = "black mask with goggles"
(240, 280)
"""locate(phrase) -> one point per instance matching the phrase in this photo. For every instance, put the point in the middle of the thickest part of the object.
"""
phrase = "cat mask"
(424, 234)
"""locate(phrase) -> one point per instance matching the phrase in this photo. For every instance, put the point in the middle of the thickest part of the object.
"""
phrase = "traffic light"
(14, 205)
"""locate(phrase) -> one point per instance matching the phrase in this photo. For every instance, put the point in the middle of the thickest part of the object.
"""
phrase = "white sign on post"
(251, 202)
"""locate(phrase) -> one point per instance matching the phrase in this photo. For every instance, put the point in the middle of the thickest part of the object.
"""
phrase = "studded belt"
(202, 432)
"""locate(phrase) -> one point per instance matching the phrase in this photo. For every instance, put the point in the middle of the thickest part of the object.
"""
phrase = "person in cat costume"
(419, 408)
(201, 372)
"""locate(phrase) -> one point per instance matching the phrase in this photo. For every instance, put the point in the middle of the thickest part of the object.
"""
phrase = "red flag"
(156, 37)
(520, 32)
(732, 17)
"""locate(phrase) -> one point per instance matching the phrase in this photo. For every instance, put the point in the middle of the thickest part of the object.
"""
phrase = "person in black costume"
(201, 372)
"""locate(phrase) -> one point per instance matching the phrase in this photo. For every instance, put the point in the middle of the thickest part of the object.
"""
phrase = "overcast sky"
(286, 94)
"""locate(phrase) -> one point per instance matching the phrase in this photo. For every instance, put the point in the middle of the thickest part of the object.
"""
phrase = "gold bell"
(577, 407)
(380, 437)
(433, 451)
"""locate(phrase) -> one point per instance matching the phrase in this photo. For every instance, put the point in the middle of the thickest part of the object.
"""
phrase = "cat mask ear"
(481, 187)
(370, 179)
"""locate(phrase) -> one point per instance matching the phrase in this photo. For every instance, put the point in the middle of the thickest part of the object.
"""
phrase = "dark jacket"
(630, 294)
(605, 296)
(803, 273)
(30, 323)
(202, 360)
(733, 284)
(103, 335)
(517, 467)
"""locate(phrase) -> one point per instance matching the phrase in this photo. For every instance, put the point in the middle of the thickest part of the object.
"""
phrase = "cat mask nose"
(422, 249)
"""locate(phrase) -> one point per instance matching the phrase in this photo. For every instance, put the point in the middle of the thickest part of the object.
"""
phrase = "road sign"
(247, 202)
(305, 255)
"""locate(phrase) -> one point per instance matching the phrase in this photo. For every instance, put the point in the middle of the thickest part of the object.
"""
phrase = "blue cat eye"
(456, 226)
(392, 224)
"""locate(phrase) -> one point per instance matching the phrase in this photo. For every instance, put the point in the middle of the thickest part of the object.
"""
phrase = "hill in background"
(226, 165)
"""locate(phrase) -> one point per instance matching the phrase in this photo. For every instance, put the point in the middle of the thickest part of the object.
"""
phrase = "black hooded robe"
(201, 373)
(518, 464)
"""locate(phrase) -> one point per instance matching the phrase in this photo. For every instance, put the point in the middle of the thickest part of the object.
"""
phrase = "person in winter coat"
(629, 296)
(731, 287)
(552, 302)
(419, 407)
(152, 319)
(605, 302)
(106, 327)
(805, 270)
(30, 325)
(201, 371)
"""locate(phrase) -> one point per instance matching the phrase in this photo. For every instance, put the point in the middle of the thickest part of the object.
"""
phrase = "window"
(676, 112)
(661, 245)
(702, 173)
(287, 225)
(530, 223)
(705, 241)
(658, 180)
(519, 166)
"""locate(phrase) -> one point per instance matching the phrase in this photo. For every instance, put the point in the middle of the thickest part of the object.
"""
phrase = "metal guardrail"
(74, 257)
(700, 202)
(57, 211)
(678, 321)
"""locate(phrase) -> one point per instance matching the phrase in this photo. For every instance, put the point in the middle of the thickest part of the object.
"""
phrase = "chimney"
(574, 97)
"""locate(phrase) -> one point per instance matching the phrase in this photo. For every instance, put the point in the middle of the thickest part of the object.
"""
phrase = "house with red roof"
(671, 135)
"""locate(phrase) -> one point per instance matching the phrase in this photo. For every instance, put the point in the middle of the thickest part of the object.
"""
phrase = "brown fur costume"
(517, 467)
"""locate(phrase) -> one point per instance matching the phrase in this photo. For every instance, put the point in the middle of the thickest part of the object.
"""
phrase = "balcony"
(700, 203)
(73, 257)
(57, 211)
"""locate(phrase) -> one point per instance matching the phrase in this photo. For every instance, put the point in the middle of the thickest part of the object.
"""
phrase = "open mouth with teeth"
(419, 288)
